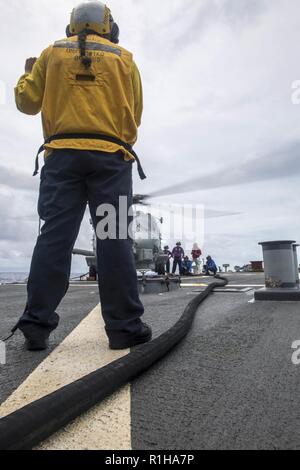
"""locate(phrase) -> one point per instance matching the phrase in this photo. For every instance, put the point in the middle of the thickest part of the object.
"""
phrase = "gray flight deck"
(230, 384)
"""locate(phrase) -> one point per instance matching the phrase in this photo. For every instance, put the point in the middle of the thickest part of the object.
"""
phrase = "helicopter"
(147, 239)
(147, 250)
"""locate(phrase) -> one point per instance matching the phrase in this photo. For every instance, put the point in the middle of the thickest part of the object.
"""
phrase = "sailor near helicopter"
(185, 265)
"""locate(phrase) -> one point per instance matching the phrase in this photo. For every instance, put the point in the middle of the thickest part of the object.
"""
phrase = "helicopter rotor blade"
(281, 163)
(141, 199)
(208, 213)
(83, 252)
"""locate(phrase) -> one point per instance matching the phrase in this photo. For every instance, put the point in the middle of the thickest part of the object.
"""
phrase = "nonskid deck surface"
(230, 384)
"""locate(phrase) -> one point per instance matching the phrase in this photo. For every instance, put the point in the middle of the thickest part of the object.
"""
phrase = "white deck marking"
(229, 286)
(71, 285)
(246, 285)
(193, 285)
(106, 426)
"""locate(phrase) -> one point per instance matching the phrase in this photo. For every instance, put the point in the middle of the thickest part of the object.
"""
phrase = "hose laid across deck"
(35, 422)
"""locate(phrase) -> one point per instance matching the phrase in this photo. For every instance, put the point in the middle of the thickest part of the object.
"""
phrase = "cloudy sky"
(220, 112)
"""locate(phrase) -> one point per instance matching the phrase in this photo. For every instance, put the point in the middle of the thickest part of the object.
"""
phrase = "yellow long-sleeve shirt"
(105, 99)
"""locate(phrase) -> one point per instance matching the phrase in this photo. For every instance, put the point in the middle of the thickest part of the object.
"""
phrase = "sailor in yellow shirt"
(89, 91)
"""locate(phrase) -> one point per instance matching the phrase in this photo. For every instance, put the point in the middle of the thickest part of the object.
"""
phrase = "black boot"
(40, 344)
(129, 341)
(36, 337)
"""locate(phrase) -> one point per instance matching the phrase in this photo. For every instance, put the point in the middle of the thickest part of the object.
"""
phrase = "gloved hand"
(29, 64)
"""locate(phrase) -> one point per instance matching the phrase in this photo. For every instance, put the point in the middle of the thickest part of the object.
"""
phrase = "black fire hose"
(35, 422)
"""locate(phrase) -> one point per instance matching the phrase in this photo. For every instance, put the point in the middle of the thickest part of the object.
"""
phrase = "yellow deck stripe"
(107, 425)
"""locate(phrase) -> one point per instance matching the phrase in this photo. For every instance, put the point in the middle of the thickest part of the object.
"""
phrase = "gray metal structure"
(296, 262)
(282, 282)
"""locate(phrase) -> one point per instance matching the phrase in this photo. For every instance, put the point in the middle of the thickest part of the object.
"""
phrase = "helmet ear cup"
(115, 33)
(68, 31)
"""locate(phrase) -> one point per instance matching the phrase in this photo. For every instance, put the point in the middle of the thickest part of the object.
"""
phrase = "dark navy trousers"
(69, 180)
(177, 262)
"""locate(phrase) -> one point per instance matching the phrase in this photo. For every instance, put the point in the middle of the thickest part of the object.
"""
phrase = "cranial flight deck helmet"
(93, 16)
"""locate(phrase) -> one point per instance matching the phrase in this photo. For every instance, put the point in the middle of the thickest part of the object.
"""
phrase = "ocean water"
(7, 278)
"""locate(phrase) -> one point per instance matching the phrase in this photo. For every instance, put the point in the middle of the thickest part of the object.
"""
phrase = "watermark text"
(168, 221)
(2, 353)
(2, 92)
(296, 355)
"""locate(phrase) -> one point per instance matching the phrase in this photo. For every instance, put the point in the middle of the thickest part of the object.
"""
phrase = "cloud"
(17, 179)
(190, 23)
(281, 163)
(243, 12)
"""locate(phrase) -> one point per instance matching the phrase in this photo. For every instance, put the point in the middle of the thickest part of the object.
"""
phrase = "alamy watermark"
(2, 353)
(2, 92)
(296, 355)
(167, 221)
(295, 97)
